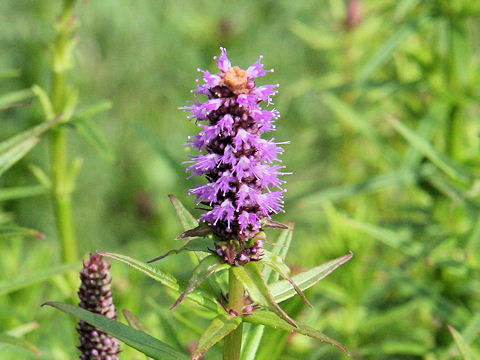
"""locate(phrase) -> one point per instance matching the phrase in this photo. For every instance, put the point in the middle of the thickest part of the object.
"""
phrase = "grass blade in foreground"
(283, 290)
(220, 327)
(17, 342)
(463, 347)
(201, 297)
(27, 280)
(134, 338)
(272, 320)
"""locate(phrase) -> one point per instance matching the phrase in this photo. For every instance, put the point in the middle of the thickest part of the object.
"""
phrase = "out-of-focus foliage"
(380, 100)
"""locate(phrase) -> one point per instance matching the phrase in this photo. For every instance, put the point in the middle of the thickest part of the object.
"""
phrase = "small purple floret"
(243, 180)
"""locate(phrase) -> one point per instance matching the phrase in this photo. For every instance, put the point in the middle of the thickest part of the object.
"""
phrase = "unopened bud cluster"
(96, 296)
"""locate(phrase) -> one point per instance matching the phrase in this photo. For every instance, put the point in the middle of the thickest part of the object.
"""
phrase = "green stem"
(233, 341)
(61, 186)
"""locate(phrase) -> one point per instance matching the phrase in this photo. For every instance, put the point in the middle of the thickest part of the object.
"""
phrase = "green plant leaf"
(8, 232)
(91, 132)
(281, 248)
(252, 278)
(276, 263)
(28, 280)
(18, 342)
(20, 192)
(450, 168)
(91, 111)
(44, 101)
(220, 327)
(252, 341)
(16, 147)
(197, 244)
(207, 267)
(283, 290)
(10, 157)
(272, 320)
(198, 296)
(133, 321)
(130, 336)
(14, 97)
(463, 347)
(186, 219)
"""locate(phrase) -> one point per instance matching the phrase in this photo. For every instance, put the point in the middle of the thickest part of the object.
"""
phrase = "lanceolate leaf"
(283, 243)
(252, 342)
(18, 342)
(27, 280)
(197, 244)
(220, 327)
(275, 262)
(133, 321)
(272, 320)
(283, 290)
(450, 168)
(8, 232)
(130, 336)
(207, 267)
(13, 149)
(91, 133)
(186, 219)
(10, 157)
(200, 297)
(252, 278)
(463, 347)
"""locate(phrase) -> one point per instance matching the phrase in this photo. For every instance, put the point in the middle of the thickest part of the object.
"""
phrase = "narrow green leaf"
(91, 111)
(252, 278)
(220, 327)
(91, 132)
(276, 263)
(272, 320)
(349, 116)
(197, 244)
(44, 101)
(463, 347)
(252, 342)
(9, 232)
(14, 97)
(133, 321)
(440, 160)
(281, 249)
(18, 342)
(386, 50)
(20, 192)
(186, 219)
(130, 336)
(207, 267)
(283, 290)
(27, 280)
(13, 149)
(10, 157)
(199, 296)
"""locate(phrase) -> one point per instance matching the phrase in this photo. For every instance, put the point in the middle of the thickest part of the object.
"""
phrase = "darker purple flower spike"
(96, 296)
(243, 186)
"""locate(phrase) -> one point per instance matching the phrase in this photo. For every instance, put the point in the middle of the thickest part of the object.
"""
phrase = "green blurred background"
(380, 101)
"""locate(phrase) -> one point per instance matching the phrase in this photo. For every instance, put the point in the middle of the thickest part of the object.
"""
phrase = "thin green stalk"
(61, 186)
(233, 341)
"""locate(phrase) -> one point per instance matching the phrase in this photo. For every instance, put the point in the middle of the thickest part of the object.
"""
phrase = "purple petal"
(257, 69)
(223, 62)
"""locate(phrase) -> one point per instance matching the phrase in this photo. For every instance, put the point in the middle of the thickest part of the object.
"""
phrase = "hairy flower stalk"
(96, 296)
(243, 188)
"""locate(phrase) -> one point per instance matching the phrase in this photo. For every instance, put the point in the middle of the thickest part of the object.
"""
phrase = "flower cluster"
(96, 296)
(243, 188)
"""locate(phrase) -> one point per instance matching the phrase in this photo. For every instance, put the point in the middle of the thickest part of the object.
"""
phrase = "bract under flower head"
(243, 186)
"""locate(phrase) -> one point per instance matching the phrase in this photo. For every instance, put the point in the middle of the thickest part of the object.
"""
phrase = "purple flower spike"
(238, 164)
